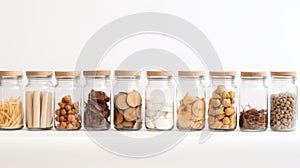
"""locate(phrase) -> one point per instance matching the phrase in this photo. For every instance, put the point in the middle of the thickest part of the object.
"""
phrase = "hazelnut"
(61, 105)
(229, 111)
(71, 117)
(70, 126)
(61, 118)
(57, 118)
(57, 112)
(63, 125)
(67, 99)
(76, 105)
(68, 107)
(63, 112)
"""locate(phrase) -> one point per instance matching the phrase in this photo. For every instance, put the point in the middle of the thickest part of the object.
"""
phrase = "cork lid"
(191, 73)
(67, 73)
(284, 73)
(11, 73)
(127, 73)
(220, 73)
(39, 73)
(159, 73)
(97, 73)
(253, 74)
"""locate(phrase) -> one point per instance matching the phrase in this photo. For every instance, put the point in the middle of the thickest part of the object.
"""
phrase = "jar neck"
(160, 80)
(96, 80)
(222, 80)
(6, 81)
(283, 80)
(191, 80)
(253, 80)
(67, 81)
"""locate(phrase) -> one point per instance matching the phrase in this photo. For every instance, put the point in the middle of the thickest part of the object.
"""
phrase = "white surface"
(248, 35)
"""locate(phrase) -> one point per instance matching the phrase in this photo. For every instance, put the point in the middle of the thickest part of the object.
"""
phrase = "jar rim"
(10, 73)
(253, 74)
(39, 73)
(128, 73)
(191, 73)
(96, 73)
(284, 73)
(222, 73)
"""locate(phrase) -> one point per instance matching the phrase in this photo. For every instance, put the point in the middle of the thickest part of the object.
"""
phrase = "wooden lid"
(253, 74)
(39, 73)
(225, 73)
(67, 73)
(127, 73)
(191, 73)
(11, 73)
(97, 73)
(278, 73)
(159, 73)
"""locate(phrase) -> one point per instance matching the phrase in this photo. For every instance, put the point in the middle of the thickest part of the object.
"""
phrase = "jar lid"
(220, 73)
(39, 73)
(11, 73)
(127, 73)
(284, 73)
(253, 74)
(159, 73)
(191, 73)
(97, 73)
(67, 73)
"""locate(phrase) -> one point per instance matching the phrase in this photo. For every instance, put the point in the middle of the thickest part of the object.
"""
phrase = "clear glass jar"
(97, 100)
(159, 101)
(222, 108)
(11, 106)
(127, 100)
(191, 100)
(283, 101)
(39, 100)
(68, 95)
(253, 100)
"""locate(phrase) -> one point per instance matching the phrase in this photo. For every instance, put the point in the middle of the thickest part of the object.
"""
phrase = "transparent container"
(68, 96)
(253, 102)
(97, 100)
(159, 96)
(11, 106)
(127, 100)
(283, 101)
(191, 100)
(222, 101)
(39, 100)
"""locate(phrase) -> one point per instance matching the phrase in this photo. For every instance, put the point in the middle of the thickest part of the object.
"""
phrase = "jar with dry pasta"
(11, 106)
(127, 100)
(68, 96)
(222, 101)
(39, 100)
(191, 100)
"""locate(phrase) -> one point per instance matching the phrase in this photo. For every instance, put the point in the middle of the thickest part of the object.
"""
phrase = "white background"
(248, 35)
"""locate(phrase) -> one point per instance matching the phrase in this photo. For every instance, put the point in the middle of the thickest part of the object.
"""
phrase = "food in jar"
(39, 109)
(11, 113)
(283, 111)
(253, 119)
(221, 110)
(191, 113)
(127, 110)
(68, 114)
(97, 111)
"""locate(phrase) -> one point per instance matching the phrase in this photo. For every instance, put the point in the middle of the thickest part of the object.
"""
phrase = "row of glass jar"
(159, 101)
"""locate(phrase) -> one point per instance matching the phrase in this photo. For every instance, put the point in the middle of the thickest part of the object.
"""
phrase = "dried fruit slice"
(188, 99)
(121, 102)
(127, 123)
(198, 107)
(118, 117)
(134, 99)
(187, 112)
(130, 114)
(137, 125)
(183, 123)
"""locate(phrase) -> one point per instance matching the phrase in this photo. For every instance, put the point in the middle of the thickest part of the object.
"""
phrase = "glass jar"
(191, 99)
(67, 100)
(159, 101)
(11, 106)
(222, 108)
(127, 100)
(39, 100)
(283, 101)
(253, 100)
(97, 100)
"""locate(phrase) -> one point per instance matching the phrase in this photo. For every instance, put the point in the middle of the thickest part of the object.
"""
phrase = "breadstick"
(36, 109)
(29, 109)
(49, 107)
(44, 109)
